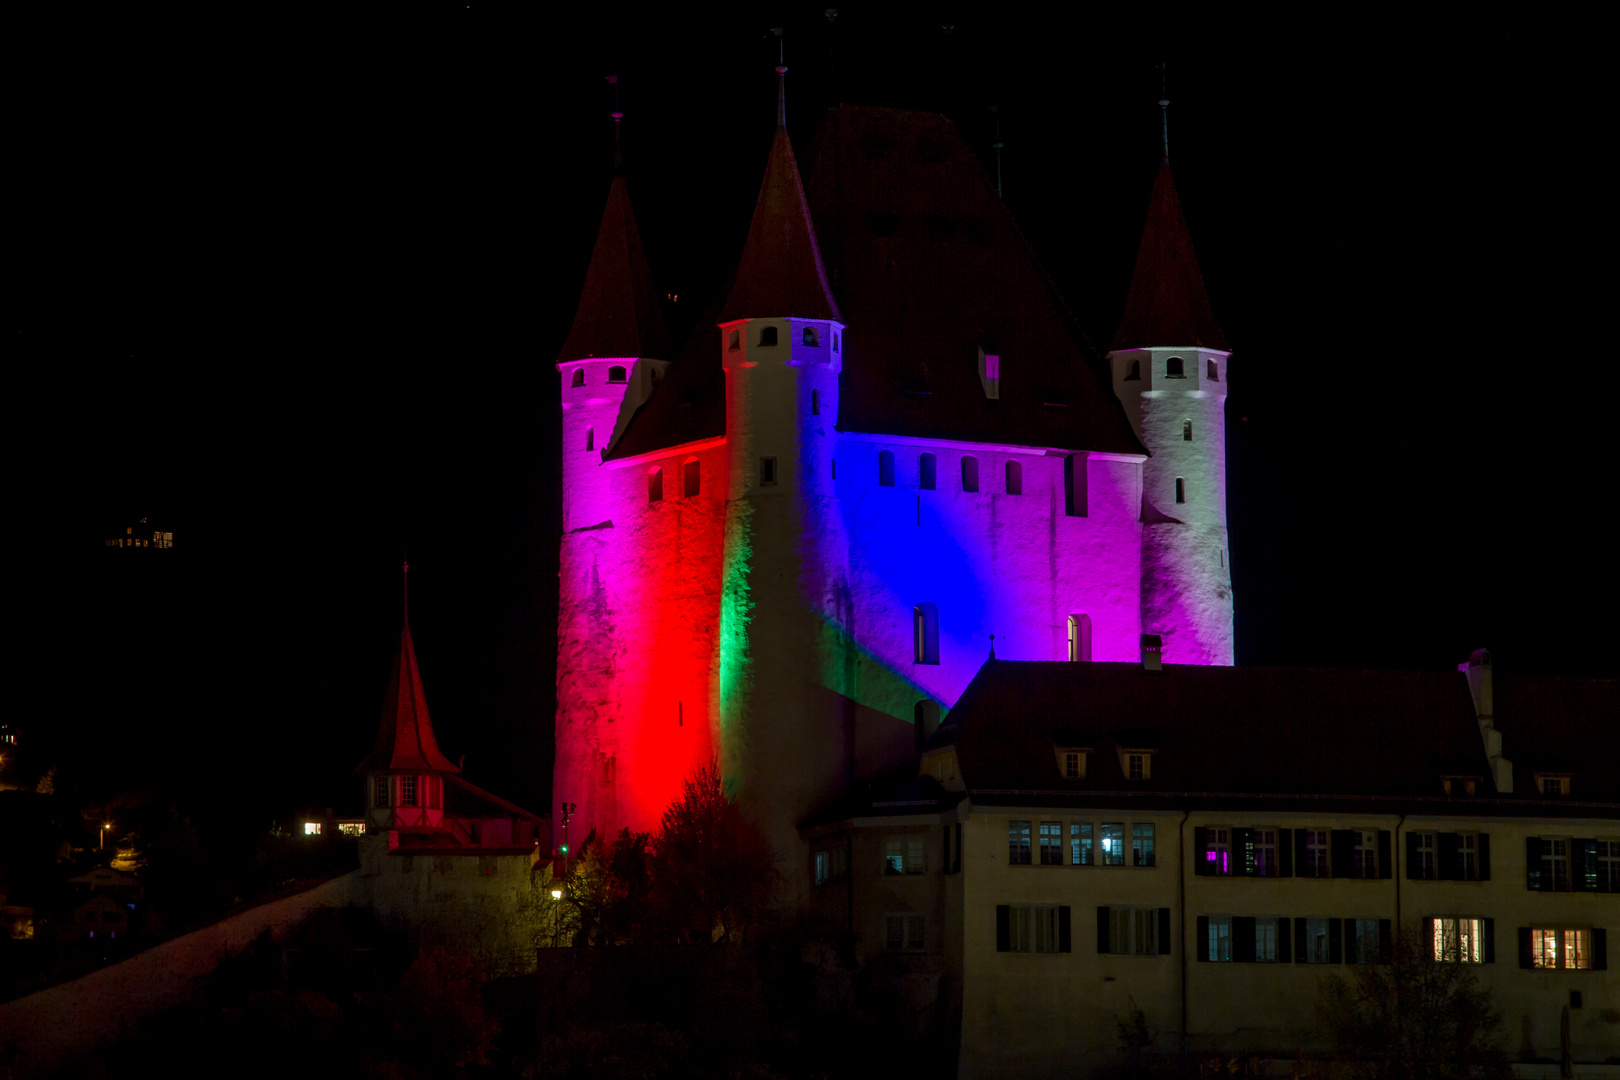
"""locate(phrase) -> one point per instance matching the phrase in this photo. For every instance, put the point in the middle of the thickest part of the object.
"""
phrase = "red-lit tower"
(404, 773)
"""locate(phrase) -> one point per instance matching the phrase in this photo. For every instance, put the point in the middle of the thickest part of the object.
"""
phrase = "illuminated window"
(1218, 943)
(1181, 490)
(1458, 941)
(810, 338)
(312, 828)
(1134, 374)
(1017, 843)
(1082, 851)
(925, 633)
(590, 438)
(1315, 863)
(1111, 839)
(885, 468)
(407, 791)
(734, 342)
(1142, 844)
(1214, 371)
(655, 485)
(1133, 931)
(1071, 766)
(767, 335)
(1051, 843)
(1265, 852)
(1565, 948)
(970, 474)
(767, 471)
(823, 867)
(692, 477)
(1173, 368)
(815, 403)
(926, 471)
(1015, 478)
(1186, 431)
(903, 856)
(1218, 849)
(615, 374)
(1136, 767)
(904, 932)
(579, 377)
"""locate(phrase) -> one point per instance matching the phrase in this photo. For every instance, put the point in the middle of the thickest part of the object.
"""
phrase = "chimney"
(1152, 646)
(1478, 673)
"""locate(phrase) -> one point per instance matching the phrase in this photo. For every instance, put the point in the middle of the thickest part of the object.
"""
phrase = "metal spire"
(781, 78)
(832, 57)
(996, 146)
(618, 116)
(1164, 114)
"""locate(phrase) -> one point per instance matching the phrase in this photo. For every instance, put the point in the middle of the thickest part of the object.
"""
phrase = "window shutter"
(1533, 876)
(1342, 854)
(1484, 848)
(1386, 940)
(1448, 862)
(1490, 941)
(1203, 939)
(1299, 941)
(1102, 930)
(1299, 851)
(1584, 874)
(1164, 931)
(1285, 852)
(1335, 941)
(1526, 954)
(1412, 840)
(1426, 936)
(1201, 864)
(945, 849)
(1284, 940)
(1600, 949)
(1244, 840)
(1063, 928)
(1384, 866)
(1003, 928)
(1243, 939)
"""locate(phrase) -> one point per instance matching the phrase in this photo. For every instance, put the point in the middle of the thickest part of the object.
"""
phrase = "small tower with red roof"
(405, 772)
(1169, 369)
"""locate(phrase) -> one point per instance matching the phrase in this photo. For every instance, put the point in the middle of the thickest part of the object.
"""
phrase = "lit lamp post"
(105, 825)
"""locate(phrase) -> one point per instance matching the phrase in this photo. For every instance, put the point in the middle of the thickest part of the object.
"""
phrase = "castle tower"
(1169, 369)
(615, 354)
(785, 554)
(404, 773)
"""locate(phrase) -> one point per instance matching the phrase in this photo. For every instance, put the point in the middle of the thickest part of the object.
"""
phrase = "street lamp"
(105, 825)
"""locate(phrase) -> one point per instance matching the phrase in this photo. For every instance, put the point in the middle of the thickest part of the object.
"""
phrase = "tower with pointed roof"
(1169, 368)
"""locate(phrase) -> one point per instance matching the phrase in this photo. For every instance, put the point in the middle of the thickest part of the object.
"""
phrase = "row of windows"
(1174, 368)
(928, 473)
(691, 480)
(406, 791)
(1088, 843)
(902, 855)
(925, 639)
(1220, 850)
(1572, 864)
(810, 338)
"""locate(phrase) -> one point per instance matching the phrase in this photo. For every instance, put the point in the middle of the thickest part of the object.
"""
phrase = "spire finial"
(995, 111)
(992, 646)
(618, 116)
(781, 78)
(1164, 114)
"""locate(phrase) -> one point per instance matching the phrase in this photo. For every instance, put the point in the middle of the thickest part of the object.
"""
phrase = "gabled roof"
(405, 740)
(780, 272)
(928, 268)
(618, 310)
(1167, 304)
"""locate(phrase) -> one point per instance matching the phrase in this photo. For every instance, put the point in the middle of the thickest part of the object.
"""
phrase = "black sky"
(291, 279)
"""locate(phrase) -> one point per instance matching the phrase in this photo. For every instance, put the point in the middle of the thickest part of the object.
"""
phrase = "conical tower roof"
(780, 273)
(405, 741)
(1167, 305)
(618, 311)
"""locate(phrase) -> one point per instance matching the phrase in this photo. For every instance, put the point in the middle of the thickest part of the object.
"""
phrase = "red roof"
(780, 273)
(618, 311)
(405, 740)
(1167, 305)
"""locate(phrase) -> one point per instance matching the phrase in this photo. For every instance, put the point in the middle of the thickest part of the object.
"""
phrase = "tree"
(1413, 1017)
(713, 874)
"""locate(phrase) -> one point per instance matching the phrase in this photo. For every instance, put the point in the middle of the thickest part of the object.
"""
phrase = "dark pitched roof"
(928, 267)
(780, 272)
(405, 740)
(1167, 304)
(618, 310)
(1280, 733)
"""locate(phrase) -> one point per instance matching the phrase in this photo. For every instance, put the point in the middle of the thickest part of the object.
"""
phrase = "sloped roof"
(405, 740)
(928, 268)
(1167, 304)
(618, 310)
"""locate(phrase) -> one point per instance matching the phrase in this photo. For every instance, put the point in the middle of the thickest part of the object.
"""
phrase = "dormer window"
(734, 342)
(1173, 368)
(767, 335)
(1071, 762)
(1136, 764)
(1552, 783)
(1459, 785)
(579, 377)
(616, 374)
(810, 339)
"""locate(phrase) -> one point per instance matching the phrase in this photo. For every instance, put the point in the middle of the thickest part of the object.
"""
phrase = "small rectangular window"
(692, 475)
(1141, 844)
(1265, 853)
(1315, 863)
(1366, 853)
(380, 794)
(823, 867)
(1113, 843)
(767, 471)
(1018, 843)
(1555, 862)
(1468, 856)
(1566, 948)
(1220, 938)
(407, 791)
(1071, 766)
(1458, 941)
(1081, 850)
(1218, 849)
(1074, 486)
(1426, 856)
(1135, 766)
(1265, 940)
(1051, 843)
(1317, 941)
(904, 856)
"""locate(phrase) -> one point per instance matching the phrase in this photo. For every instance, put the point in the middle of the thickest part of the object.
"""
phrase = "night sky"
(293, 278)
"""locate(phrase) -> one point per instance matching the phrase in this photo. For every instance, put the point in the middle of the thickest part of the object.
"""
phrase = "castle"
(886, 454)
